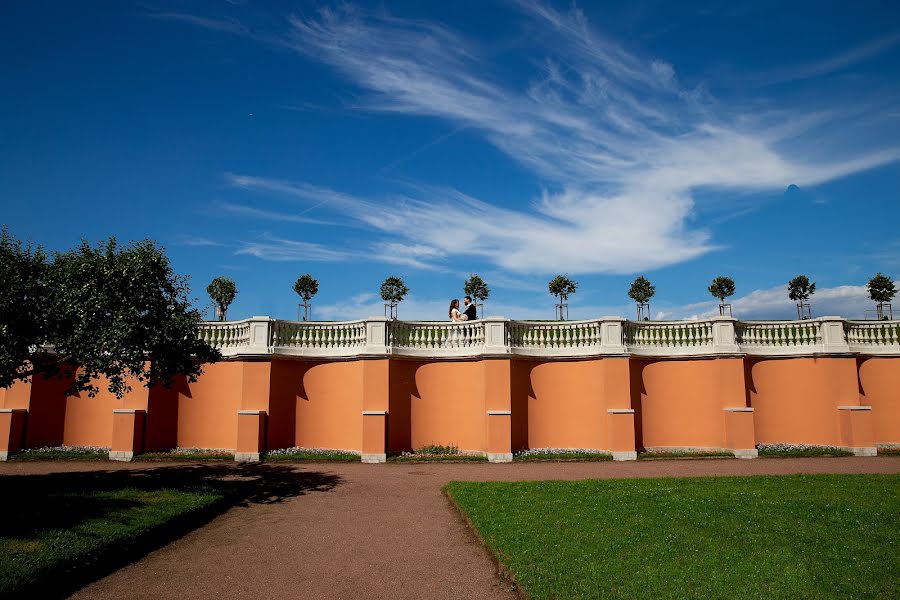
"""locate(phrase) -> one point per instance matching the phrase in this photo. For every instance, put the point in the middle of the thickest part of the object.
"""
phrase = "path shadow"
(31, 505)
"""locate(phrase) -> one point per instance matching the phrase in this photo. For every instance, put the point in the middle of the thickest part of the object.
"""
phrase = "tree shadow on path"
(33, 505)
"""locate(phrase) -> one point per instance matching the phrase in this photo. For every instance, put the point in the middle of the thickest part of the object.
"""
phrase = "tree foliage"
(562, 287)
(476, 288)
(306, 287)
(23, 309)
(800, 288)
(222, 290)
(107, 312)
(641, 290)
(881, 288)
(393, 290)
(722, 287)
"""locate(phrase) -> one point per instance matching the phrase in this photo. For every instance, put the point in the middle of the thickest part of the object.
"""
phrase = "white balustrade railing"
(779, 337)
(554, 338)
(610, 336)
(227, 336)
(301, 338)
(426, 338)
(669, 337)
(873, 337)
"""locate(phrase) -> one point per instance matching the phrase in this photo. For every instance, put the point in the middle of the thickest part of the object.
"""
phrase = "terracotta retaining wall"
(492, 406)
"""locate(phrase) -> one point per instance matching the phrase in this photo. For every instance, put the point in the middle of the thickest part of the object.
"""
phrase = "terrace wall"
(626, 400)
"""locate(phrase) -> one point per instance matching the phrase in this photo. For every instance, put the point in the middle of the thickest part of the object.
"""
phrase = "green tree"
(721, 288)
(476, 288)
(23, 307)
(222, 291)
(306, 287)
(107, 312)
(800, 288)
(641, 290)
(393, 290)
(562, 287)
(881, 288)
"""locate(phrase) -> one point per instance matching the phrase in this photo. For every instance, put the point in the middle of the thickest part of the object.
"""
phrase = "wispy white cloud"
(422, 308)
(252, 212)
(849, 301)
(620, 143)
(278, 249)
(185, 239)
(833, 64)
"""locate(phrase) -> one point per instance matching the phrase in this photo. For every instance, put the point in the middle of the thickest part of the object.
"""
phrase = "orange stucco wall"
(795, 400)
(207, 408)
(329, 405)
(879, 387)
(442, 403)
(679, 403)
(535, 404)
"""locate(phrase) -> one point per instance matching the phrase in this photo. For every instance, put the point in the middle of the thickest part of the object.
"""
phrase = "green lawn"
(803, 536)
(104, 520)
(61, 530)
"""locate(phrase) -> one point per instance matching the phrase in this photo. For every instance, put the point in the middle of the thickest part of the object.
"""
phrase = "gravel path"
(380, 531)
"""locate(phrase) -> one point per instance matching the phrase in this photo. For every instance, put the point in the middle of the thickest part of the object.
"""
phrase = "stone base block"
(12, 431)
(746, 453)
(499, 457)
(128, 433)
(373, 458)
(246, 457)
(857, 429)
(624, 455)
(251, 435)
(865, 451)
(121, 455)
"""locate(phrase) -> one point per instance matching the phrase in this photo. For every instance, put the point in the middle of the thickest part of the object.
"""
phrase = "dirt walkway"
(384, 531)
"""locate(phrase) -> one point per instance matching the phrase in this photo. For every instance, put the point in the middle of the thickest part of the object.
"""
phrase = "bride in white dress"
(455, 315)
(454, 337)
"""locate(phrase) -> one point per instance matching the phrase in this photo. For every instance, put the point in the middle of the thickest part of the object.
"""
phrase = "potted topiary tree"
(478, 290)
(306, 287)
(562, 287)
(393, 291)
(721, 288)
(641, 291)
(799, 290)
(222, 291)
(882, 290)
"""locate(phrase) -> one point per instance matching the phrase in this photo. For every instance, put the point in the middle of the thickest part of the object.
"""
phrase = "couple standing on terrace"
(467, 315)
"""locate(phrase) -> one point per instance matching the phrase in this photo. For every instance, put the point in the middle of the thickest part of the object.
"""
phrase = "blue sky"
(517, 140)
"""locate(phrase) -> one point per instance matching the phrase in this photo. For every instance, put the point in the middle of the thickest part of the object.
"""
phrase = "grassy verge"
(183, 456)
(551, 455)
(61, 453)
(782, 451)
(414, 458)
(684, 454)
(803, 536)
(311, 455)
(115, 521)
(59, 531)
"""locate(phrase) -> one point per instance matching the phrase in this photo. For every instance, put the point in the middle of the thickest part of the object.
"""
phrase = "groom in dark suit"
(470, 309)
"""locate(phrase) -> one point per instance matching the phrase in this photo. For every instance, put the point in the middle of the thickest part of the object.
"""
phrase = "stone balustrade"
(607, 336)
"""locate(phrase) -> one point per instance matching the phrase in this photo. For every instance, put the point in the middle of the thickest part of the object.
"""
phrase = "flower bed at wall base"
(188, 454)
(698, 453)
(562, 454)
(776, 450)
(300, 453)
(63, 453)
